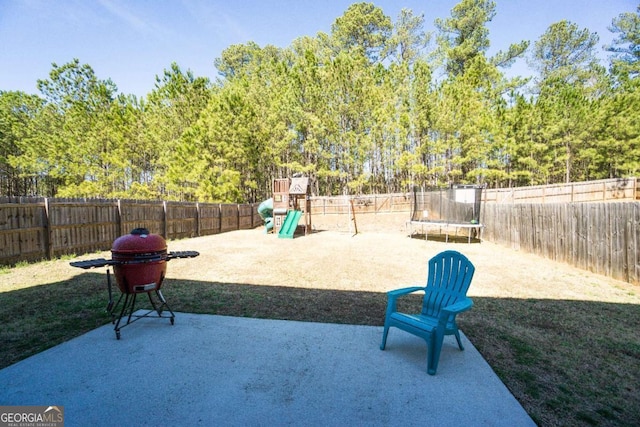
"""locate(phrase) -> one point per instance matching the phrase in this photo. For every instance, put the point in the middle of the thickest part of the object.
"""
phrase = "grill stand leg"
(165, 305)
(110, 304)
(125, 305)
(128, 308)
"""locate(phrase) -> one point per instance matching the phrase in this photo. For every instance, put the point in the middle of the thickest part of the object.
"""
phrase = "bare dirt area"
(381, 257)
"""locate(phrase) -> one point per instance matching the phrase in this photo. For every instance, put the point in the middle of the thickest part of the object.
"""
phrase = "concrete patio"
(214, 370)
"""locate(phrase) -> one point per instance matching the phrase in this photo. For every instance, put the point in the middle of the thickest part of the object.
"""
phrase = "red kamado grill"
(139, 263)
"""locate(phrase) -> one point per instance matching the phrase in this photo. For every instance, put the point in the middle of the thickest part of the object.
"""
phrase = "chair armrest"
(454, 309)
(395, 294)
(404, 291)
(459, 307)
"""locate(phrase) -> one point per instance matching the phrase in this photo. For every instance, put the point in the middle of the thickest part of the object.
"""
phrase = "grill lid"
(139, 241)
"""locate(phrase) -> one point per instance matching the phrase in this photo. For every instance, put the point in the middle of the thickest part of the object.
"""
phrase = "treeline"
(374, 106)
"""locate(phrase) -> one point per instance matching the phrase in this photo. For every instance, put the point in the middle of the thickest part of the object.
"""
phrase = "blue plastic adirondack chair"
(445, 296)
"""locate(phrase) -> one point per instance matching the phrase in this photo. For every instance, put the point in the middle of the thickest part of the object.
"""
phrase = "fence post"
(47, 230)
(198, 219)
(119, 218)
(164, 220)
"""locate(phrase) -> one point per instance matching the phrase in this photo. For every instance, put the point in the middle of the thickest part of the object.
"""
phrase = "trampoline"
(453, 209)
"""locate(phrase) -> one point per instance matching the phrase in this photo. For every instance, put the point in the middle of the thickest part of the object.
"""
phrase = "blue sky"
(132, 41)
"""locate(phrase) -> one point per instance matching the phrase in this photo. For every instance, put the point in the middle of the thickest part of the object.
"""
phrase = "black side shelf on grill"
(93, 263)
(182, 254)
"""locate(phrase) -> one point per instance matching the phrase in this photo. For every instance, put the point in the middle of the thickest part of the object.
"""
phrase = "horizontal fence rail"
(580, 229)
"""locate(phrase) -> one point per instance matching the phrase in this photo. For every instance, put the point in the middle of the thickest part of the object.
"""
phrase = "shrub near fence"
(34, 229)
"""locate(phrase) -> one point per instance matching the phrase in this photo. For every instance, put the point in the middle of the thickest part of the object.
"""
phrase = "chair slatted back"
(448, 280)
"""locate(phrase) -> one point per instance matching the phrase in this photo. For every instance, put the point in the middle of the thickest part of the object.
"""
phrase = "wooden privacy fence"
(600, 237)
(33, 229)
(372, 203)
(615, 189)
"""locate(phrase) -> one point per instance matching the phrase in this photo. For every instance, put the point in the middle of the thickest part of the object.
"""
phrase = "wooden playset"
(291, 201)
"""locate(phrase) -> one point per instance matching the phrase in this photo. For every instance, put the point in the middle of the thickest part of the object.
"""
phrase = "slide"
(290, 224)
(265, 210)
